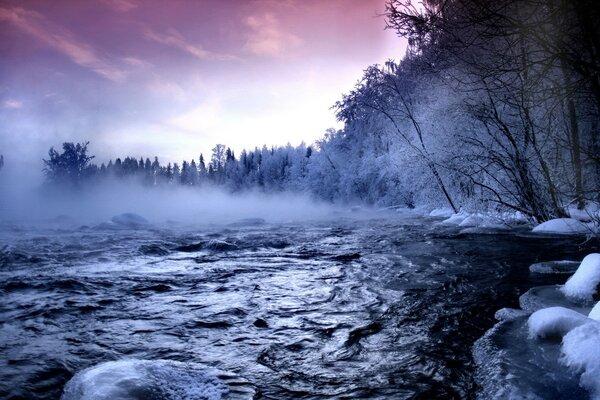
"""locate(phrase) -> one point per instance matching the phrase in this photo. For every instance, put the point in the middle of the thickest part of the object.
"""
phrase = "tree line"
(495, 106)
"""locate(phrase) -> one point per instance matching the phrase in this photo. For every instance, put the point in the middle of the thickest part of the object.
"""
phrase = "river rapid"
(353, 306)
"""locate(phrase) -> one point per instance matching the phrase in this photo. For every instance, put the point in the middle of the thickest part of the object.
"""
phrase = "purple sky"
(143, 78)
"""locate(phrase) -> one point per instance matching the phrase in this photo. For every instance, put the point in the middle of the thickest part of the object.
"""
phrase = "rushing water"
(387, 306)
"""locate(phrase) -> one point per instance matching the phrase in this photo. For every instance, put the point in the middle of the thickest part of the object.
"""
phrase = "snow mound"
(473, 220)
(585, 283)
(554, 267)
(145, 379)
(595, 313)
(581, 352)
(455, 219)
(566, 226)
(441, 213)
(554, 322)
(130, 220)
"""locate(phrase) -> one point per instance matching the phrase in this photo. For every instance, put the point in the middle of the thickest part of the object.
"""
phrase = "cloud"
(174, 39)
(266, 36)
(37, 26)
(12, 104)
(120, 5)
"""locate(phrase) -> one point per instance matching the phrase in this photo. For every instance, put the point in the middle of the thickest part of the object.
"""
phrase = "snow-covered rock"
(154, 379)
(566, 226)
(581, 352)
(585, 283)
(510, 365)
(554, 322)
(137, 379)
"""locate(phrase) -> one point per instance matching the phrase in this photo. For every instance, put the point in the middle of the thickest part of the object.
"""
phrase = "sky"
(172, 79)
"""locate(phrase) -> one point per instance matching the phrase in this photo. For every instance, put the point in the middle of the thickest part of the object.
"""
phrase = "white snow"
(583, 285)
(563, 226)
(581, 352)
(595, 313)
(554, 322)
(136, 379)
(455, 219)
(441, 213)
(590, 212)
(489, 220)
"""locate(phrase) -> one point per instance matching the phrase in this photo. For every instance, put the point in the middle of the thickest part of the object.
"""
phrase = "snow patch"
(595, 313)
(565, 226)
(441, 213)
(554, 322)
(585, 283)
(581, 352)
(455, 219)
(590, 212)
(144, 379)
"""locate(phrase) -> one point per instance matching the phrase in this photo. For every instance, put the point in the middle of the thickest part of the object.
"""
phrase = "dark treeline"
(496, 106)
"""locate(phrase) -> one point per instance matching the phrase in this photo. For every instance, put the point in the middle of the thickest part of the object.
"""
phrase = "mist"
(25, 201)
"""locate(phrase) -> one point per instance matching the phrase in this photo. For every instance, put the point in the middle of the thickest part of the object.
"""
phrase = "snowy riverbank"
(550, 348)
(580, 222)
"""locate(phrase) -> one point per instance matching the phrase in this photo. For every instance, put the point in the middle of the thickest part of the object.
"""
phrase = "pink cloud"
(174, 39)
(266, 36)
(120, 5)
(12, 104)
(37, 26)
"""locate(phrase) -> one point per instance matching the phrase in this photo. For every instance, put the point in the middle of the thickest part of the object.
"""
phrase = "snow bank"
(581, 352)
(585, 283)
(595, 313)
(455, 219)
(490, 220)
(554, 322)
(590, 211)
(144, 379)
(566, 226)
(441, 213)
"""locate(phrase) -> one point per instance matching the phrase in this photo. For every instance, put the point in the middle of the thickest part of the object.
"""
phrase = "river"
(354, 306)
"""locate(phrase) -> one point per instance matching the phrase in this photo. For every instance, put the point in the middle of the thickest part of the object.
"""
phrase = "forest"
(495, 106)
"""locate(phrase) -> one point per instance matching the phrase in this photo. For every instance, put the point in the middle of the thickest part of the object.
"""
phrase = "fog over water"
(26, 201)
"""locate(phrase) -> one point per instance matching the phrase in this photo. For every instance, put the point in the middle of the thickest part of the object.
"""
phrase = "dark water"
(382, 307)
